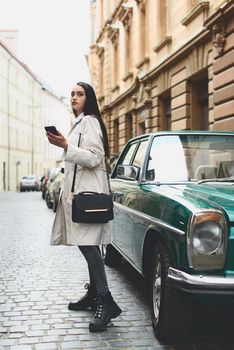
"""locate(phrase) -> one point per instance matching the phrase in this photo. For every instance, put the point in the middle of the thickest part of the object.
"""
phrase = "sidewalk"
(38, 281)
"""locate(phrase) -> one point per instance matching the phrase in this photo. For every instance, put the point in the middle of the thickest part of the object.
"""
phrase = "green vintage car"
(174, 220)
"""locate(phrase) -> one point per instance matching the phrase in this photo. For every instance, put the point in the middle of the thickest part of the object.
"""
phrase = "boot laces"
(98, 312)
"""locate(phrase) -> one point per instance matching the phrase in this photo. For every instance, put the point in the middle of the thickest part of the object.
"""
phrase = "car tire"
(111, 256)
(172, 310)
(48, 202)
(55, 205)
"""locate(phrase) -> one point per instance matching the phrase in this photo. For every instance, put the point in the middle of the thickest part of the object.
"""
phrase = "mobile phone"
(51, 129)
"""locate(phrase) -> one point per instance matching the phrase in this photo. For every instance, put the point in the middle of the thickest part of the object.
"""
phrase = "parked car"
(53, 189)
(173, 198)
(30, 182)
(44, 180)
(50, 173)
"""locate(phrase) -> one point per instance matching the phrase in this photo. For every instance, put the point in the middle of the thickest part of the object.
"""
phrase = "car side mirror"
(127, 172)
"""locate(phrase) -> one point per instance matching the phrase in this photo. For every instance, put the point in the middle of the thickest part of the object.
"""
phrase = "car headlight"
(207, 239)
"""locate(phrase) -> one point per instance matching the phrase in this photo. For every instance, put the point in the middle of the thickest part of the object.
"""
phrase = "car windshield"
(190, 158)
(29, 177)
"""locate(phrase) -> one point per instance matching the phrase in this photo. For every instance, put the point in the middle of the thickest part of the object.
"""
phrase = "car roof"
(29, 175)
(184, 132)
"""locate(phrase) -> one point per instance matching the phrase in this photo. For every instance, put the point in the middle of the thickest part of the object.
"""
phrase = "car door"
(124, 198)
(121, 238)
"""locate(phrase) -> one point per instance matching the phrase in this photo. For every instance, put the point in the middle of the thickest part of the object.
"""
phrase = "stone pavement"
(37, 281)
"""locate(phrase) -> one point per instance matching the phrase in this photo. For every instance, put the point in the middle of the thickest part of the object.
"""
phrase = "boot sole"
(88, 308)
(96, 328)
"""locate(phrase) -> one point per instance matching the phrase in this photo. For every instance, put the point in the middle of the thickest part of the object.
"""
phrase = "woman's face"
(78, 99)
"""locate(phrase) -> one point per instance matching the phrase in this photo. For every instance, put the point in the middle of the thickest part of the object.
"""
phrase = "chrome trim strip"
(150, 219)
(212, 282)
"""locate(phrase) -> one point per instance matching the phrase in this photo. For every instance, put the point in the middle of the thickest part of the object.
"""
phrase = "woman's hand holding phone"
(52, 129)
(55, 137)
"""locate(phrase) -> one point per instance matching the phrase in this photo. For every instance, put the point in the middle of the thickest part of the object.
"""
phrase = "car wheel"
(48, 202)
(55, 205)
(172, 310)
(111, 256)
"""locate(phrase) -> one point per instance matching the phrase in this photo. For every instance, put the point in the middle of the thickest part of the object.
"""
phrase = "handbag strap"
(75, 168)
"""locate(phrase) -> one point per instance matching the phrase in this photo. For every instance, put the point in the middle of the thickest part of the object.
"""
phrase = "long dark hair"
(91, 108)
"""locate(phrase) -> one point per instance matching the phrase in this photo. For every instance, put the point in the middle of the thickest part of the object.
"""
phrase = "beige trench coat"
(90, 176)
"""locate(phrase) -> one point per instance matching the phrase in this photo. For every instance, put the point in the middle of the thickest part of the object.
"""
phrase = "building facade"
(162, 65)
(23, 113)
(54, 112)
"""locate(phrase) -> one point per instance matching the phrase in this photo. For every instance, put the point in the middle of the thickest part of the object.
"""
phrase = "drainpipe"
(32, 115)
(32, 134)
(8, 125)
(32, 108)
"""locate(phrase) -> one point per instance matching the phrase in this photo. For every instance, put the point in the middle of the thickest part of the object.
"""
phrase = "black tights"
(97, 274)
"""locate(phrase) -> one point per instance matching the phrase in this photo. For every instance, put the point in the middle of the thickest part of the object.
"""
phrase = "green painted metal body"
(143, 208)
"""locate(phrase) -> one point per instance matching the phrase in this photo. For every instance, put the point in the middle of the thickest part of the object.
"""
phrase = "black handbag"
(91, 207)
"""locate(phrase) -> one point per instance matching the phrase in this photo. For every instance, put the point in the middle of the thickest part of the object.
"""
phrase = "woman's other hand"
(59, 140)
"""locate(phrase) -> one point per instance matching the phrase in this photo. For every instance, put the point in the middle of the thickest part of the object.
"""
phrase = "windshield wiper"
(224, 179)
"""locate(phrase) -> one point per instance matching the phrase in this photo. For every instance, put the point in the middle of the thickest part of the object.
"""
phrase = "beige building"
(162, 65)
(54, 112)
(25, 107)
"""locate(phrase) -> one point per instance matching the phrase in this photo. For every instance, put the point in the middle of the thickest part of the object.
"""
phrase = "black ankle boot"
(106, 310)
(88, 301)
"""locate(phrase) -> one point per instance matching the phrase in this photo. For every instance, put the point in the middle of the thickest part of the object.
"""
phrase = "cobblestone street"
(37, 281)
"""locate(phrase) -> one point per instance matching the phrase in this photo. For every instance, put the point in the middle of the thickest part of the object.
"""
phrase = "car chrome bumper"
(201, 283)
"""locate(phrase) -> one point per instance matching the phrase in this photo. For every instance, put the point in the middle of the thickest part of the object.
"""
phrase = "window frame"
(138, 141)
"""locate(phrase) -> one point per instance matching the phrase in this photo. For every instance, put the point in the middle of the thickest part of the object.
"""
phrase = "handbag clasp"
(93, 210)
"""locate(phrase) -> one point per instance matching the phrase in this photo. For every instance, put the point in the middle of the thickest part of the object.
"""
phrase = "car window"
(140, 154)
(190, 157)
(128, 156)
(166, 160)
(29, 177)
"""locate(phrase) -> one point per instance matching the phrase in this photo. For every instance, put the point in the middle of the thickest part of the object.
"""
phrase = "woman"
(90, 176)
